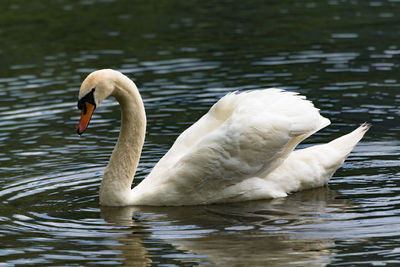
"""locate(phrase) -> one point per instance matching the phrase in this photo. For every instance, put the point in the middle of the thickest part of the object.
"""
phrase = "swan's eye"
(81, 105)
(89, 97)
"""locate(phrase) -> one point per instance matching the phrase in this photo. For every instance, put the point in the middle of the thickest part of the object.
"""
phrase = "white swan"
(242, 149)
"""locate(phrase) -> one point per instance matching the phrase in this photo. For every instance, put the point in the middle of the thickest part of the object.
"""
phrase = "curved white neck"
(118, 176)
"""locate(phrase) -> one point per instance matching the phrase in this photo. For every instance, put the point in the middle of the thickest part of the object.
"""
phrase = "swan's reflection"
(276, 232)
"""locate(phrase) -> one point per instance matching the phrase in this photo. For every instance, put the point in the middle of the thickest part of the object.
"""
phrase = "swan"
(242, 149)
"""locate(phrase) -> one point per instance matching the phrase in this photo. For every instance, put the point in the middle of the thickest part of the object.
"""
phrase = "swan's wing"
(187, 140)
(242, 136)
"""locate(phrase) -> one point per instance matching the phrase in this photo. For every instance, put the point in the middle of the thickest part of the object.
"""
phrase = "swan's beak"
(86, 114)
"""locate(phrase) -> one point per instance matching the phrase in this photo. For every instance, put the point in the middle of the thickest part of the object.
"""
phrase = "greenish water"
(183, 56)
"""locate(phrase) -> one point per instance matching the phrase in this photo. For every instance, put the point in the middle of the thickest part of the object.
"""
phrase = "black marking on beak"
(89, 97)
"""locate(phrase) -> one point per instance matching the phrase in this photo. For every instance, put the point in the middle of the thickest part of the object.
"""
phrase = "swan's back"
(243, 137)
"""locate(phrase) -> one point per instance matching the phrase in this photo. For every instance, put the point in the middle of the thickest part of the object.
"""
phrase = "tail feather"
(347, 142)
(314, 166)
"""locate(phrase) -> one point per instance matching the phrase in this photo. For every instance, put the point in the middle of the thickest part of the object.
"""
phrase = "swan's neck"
(116, 184)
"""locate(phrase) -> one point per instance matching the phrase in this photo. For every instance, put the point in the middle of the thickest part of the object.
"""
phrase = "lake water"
(183, 56)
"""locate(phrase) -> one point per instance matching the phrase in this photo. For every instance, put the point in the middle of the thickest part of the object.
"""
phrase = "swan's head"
(95, 88)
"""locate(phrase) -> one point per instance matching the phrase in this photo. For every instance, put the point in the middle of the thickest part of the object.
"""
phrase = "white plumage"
(242, 149)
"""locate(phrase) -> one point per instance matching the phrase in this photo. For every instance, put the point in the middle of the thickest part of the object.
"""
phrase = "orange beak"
(86, 114)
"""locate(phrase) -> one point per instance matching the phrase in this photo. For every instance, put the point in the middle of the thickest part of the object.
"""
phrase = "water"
(185, 55)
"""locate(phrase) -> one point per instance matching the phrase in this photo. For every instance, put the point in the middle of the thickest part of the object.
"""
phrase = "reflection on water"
(184, 56)
(267, 232)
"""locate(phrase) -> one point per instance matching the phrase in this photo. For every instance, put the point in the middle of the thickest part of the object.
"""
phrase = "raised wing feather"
(244, 135)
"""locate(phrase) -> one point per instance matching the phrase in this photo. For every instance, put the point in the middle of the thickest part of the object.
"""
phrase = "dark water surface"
(183, 56)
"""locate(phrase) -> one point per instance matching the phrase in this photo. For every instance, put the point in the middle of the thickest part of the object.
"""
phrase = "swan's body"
(242, 149)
